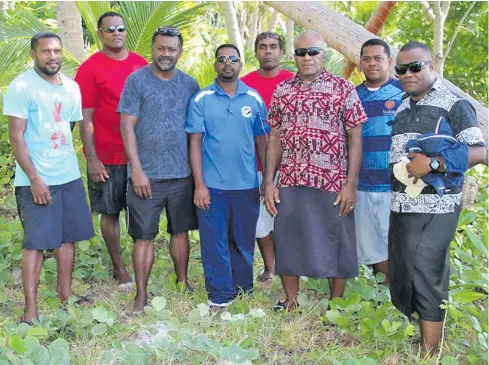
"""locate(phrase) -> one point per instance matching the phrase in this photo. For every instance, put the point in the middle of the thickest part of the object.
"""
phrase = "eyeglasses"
(311, 51)
(413, 67)
(113, 28)
(223, 59)
(168, 31)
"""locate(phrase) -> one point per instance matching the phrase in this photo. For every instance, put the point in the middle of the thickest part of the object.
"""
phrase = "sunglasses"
(311, 51)
(112, 29)
(413, 67)
(224, 59)
(168, 31)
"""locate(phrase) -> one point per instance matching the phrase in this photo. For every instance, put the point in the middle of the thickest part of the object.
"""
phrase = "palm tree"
(347, 38)
(374, 24)
(70, 28)
(233, 27)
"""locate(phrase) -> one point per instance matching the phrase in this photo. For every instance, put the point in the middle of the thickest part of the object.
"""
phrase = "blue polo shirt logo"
(246, 111)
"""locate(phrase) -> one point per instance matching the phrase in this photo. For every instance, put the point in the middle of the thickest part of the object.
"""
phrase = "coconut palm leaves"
(142, 18)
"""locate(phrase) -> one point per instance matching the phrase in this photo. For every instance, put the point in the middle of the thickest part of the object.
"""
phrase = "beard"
(269, 66)
(167, 66)
(48, 71)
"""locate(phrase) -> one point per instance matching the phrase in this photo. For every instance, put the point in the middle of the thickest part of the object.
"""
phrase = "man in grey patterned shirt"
(153, 109)
(422, 227)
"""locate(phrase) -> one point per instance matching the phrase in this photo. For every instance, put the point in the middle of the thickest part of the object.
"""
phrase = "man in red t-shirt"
(101, 78)
(268, 51)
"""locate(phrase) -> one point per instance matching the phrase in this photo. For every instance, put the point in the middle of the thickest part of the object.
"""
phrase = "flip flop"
(80, 300)
(26, 321)
(281, 306)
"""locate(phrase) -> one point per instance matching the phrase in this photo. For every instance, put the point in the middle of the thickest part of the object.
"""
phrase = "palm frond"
(334, 62)
(204, 73)
(70, 63)
(14, 59)
(20, 25)
(90, 12)
(143, 18)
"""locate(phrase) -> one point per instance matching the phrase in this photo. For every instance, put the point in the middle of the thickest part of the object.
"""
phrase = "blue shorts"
(67, 219)
(372, 211)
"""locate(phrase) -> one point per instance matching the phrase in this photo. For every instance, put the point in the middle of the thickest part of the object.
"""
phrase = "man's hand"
(202, 197)
(271, 197)
(96, 170)
(141, 184)
(419, 166)
(40, 192)
(346, 198)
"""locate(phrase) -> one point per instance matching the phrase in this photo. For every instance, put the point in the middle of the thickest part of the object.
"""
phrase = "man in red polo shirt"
(101, 78)
(268, 52)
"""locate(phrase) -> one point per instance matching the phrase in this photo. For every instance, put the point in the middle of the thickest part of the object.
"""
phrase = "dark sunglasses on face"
(311, 51)
(413, 67)
(168, 31)
(112, 29)
(223, 59)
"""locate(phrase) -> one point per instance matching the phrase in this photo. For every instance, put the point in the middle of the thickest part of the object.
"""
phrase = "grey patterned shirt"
(413, 120)
(161, 108)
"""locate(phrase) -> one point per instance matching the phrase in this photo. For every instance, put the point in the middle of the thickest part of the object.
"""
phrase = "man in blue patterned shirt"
(380, 96)
(422, 227)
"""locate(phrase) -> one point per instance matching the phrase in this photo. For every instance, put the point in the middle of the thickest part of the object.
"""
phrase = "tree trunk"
(232, 27)
(4, 6)
(70, 28)
(289, 40)
(272, 24)
(373, 25)
(441, 12)
(346, 37)
(253, 28)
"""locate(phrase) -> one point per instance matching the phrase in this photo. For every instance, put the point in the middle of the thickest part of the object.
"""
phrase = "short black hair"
(107, 15)
(376, 42)
(272, 35)
(227, 45)
(415, 45)
(156, 34)
(43, 35)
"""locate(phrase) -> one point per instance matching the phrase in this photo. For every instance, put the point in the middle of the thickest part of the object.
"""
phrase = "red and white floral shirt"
(313, 119)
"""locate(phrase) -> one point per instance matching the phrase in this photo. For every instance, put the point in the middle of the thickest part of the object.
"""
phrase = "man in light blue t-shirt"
(226, 121)
(42, 106)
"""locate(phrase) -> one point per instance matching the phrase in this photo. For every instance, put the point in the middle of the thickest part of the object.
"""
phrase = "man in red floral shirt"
(316, 145)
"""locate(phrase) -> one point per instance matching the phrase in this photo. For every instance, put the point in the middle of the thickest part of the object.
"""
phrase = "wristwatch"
(435, 164)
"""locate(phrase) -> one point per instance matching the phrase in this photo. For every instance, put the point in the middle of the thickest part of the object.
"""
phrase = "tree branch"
(445, 7)
(459, 26)
(437, 8)
(428, 10)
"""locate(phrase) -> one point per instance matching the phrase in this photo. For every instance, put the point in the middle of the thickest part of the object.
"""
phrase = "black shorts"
(67, 219)
(175, 195)
(109, 197)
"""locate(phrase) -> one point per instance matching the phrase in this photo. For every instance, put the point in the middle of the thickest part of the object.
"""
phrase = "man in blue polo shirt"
(226, 123)
(380, 96)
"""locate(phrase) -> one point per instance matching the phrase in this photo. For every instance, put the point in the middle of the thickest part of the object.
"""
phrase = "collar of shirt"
(437, 86)
(323, 76)
(242, 89)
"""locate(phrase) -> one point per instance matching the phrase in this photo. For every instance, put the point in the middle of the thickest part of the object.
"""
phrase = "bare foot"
(139, 304)
(121, 276)
(187, 286)
(265, 276)
(217, 309)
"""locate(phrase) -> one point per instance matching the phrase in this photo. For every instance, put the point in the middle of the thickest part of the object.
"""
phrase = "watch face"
(435, 164)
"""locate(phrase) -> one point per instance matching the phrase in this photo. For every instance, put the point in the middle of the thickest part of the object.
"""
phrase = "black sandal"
(26, 321)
